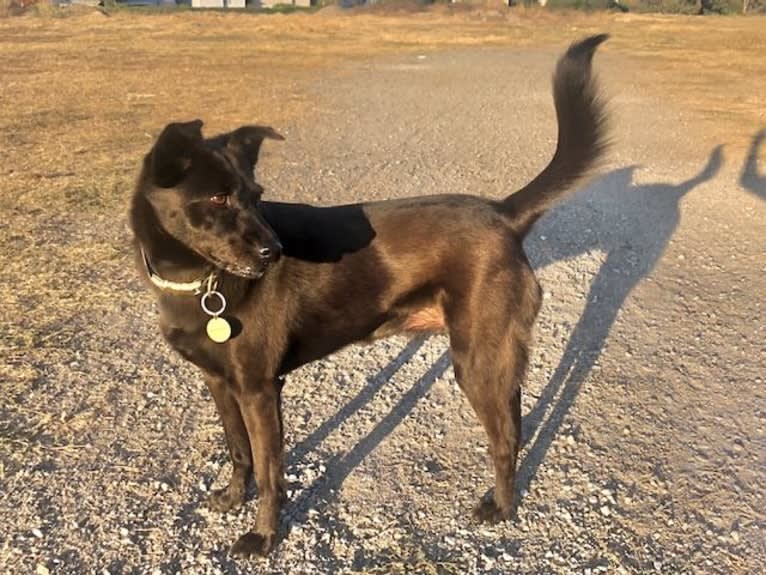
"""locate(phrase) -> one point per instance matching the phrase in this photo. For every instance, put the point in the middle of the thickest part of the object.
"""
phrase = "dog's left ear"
(245, 143)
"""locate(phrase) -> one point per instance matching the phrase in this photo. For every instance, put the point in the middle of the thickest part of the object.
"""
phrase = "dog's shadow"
(632, 225)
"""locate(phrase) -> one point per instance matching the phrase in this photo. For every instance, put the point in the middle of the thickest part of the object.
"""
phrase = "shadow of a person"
(634, 244)
(750, 178)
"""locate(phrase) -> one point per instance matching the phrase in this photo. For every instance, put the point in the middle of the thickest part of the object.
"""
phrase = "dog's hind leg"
(495, 395)
(489, 339)
(238, 442)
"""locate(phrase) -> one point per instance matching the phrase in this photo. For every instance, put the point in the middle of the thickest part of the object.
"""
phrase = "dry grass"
(83, 95)
(98, 84)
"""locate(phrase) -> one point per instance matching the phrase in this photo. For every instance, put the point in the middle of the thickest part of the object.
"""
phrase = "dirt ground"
(645, 410)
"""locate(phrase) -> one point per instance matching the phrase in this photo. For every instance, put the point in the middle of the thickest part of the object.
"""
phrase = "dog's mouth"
(247, 272)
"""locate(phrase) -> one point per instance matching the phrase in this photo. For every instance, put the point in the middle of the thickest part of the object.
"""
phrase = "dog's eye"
(219, 199)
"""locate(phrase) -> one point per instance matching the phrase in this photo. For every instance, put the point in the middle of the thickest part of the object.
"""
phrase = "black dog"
(299, 282)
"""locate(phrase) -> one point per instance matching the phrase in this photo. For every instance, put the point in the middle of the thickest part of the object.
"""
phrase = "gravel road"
(644, 413)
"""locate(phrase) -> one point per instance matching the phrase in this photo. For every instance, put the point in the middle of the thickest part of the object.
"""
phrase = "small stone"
(37, 533)
(734, 537)
(42, 569)
(605, 511)
(124, 532)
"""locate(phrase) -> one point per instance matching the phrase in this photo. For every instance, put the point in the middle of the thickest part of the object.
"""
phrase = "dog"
(249, 290)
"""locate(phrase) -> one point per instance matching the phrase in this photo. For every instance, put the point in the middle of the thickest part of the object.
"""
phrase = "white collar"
(193, 287)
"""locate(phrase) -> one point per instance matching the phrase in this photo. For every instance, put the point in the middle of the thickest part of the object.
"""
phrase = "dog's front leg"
(238, 442)
(260, 407)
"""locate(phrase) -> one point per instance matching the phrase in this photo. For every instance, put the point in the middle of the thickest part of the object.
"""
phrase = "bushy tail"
(581, 138)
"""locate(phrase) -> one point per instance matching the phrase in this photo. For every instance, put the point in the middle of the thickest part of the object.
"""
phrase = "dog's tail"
(581, 138)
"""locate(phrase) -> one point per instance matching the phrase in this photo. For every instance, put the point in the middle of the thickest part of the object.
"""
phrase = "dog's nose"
(270, 253)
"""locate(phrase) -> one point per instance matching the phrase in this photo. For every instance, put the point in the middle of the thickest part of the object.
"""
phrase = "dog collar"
(193, 288)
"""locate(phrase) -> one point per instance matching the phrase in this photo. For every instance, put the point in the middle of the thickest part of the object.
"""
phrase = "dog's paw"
(487, 511)
(226, 499)
(252, 543)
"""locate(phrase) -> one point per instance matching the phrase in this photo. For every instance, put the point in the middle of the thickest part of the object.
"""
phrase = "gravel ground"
(644, 411)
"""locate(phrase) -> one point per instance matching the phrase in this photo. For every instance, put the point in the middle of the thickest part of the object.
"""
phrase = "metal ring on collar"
(203, 303)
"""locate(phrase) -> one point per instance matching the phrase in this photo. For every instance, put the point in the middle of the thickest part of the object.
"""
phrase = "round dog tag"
(218, 329)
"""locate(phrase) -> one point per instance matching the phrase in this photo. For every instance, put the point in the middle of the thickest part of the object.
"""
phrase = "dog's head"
(204, 195)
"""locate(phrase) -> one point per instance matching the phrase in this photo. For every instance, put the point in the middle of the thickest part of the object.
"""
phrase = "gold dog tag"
(218, 329)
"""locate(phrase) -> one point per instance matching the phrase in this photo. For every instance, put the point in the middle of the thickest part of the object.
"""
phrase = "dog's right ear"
(245, 143)
(173, 153)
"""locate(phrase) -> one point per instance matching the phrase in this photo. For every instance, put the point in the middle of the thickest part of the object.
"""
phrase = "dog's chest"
(184, 330)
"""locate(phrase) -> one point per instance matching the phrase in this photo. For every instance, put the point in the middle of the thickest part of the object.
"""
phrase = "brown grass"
(98, 87)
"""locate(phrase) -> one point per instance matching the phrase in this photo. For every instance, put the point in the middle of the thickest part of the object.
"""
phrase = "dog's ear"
(245, 143)
(173, 153)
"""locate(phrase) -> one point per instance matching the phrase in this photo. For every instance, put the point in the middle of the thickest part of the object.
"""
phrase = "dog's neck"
(194, 287)
(160, 253)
